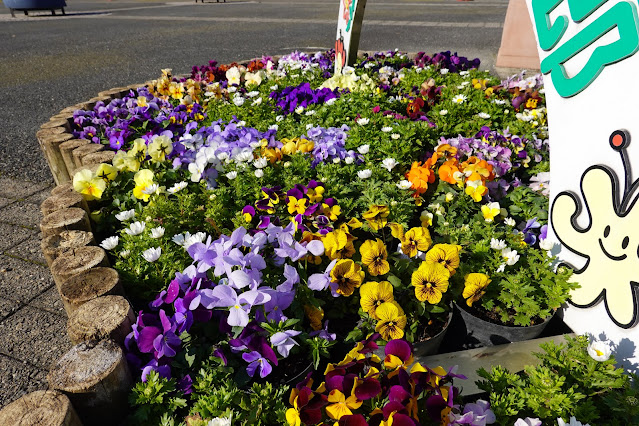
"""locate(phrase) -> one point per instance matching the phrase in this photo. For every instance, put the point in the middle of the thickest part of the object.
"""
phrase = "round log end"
(58, 122)
(63, 201)
(71, 219)
(106, 317)
(88, 285)
(45, 408)
(64, 188)
(98, 157)
(55, 245)
(77, 260)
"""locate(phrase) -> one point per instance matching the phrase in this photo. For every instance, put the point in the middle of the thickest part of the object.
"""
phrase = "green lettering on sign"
(622, 16)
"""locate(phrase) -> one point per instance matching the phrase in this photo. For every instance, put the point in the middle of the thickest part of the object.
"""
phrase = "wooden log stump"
(67, 148)
(70, 109)
(97, 380)
(114, 93)
(64, 116)
(42, 408)
(55, 245)
(88, 285)
(63, 201)
(59, 122)
(76, 261)
(62, 189)
(81, 152)
(96, 99)
(87, 106)
(42, 133)
(98, 157)
(107, 317)
(51, 147)
(71, 219)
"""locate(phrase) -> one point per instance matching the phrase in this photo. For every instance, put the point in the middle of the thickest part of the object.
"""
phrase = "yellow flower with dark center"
(304, 145)
(376, 216)
(475, 287)
(391, 321)
(416, 239)
(340, 405)
(446, 255)
(296, 206)
(373, 294)
(430, 281)
(315, 194)
(531, 103)
(354, 223)
(347, 275)
(397, 230)
(331, 212)
(337, 245)
(106, 171)
(89, 185)
(374, 256)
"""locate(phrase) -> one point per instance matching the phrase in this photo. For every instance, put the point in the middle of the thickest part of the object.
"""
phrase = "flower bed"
(265, 218)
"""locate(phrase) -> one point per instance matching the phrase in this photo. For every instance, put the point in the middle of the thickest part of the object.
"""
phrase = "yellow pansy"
(296, 206)
(106, 171)
(374, 256)
(143, 179)
(337, 245)
(340, 405)
(490, 211)
(331, 212)
(376, 216)
(304, 145)
(416, 239)
(347, 275)
(159, 148)
(475, 287)
(123, 162)
(89, 185)
(392, 321)
(354, 223)
(289, 147)
(476, 190)
(445, 254)
(373, 294)
(430, 281)
(315, 195)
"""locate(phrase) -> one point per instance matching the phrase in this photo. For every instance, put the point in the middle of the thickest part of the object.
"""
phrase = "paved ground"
(48, 63)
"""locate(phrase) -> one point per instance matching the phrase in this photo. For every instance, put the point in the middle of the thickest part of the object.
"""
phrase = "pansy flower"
(430, 281)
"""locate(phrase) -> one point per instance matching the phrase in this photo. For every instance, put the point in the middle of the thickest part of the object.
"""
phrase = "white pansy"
(404, 184)
(233, 76)
(125, 215)
(443, 112)
(362, 121)
(364, 149)
(238, 100)
(459, 99)
(231, 175)
(387, 129)
(483, 115)
(260, 163)
(599, 350)
(299, 109)
(510, 221)
(496, 244)
(151, 189)
(196, 169)
(259, 173)
(157, 232)
(110, 243)
(364, 174)
(152, 254)
(389, 163)
(125, 253)
(395, 136)
(136, 228)
(177, 187)
(510, 256)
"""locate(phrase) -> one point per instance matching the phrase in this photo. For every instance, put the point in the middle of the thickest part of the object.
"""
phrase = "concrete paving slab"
(29, 250)
(23, 214)
(39, 197)
(34, 335)
(14, 188)
(49, 301)
(5, 201)
(21, 280)
(8, 306)
(18, 378)
(11, 235)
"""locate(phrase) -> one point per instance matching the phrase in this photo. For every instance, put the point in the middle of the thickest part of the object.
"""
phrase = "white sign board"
(349, 26)
(588, 57)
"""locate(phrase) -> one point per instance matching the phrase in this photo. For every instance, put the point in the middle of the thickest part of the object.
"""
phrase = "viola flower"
(475, 287)
(159, 148)
(257, 362)
(490, 211)
(296, 206)
(162, 341)
(340, 405)
(446, 255)
(376, 216)
(373, 294)
(430, 281)
(392, 321)
(338, 245)
(106, 172)
(345, 277)
(89, 185)
(314, 315)
(398, 353)
(283, 341)
(421, 176)
(374, 257)
(142, 179)
(476, 190)
(414, 240)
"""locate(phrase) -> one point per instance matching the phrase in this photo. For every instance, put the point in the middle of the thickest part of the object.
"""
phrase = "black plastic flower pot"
(431, 346)
(488, 333)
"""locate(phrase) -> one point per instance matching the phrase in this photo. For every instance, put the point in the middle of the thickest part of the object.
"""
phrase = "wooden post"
(71, 219)
(55, 245)
(75, 261)
(42, 408)
(57, 123)
(80, 152)
(51, 147)
(63, 201)
(98, 157)
(113, 93)
(97, 380)
(88, 285)
(61, 189)
(67, 149)
(107, 317)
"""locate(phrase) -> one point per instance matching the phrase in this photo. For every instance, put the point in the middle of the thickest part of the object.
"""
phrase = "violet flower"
(257, 362)
(283, 341)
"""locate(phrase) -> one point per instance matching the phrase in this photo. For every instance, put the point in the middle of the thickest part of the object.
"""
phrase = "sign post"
(588, 51)
(349, 27)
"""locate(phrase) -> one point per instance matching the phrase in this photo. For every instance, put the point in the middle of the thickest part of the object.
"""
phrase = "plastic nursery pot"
(491, 334)
(431, 346)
